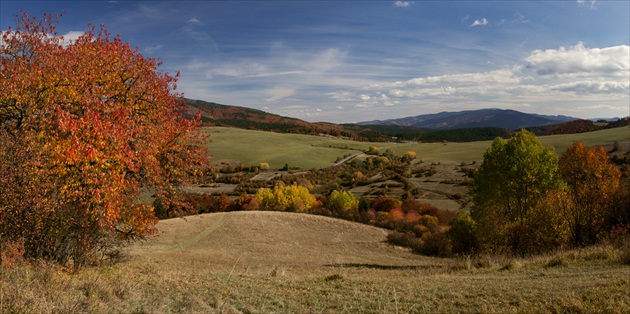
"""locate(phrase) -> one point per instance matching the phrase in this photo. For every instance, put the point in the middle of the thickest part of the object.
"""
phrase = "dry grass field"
(271, 262)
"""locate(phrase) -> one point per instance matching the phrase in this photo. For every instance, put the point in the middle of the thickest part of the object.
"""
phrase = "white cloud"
(520, 18)
(342, 96)
(552, 82)
(152, 49)
(593, 87)
(279, 92)
(194, 21)
(70, 37)
(481, 22)
(591, 4)
(240, 69)
(326, 60)
(403, 4)
(581, 61)
(601, 107)
(492, 77)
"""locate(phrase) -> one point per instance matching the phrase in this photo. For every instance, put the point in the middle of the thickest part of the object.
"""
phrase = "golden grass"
(265, 262)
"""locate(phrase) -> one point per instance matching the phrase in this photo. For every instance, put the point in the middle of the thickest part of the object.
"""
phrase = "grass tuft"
(333, 277)
(557, 262)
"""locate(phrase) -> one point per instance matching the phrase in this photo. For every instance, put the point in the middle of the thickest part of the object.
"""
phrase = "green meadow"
(306, 151)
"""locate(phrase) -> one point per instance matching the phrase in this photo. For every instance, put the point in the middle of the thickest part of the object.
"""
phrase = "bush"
(281, 197)
(462, 234)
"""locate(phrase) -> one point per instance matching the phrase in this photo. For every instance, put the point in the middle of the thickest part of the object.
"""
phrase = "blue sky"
(351, 61)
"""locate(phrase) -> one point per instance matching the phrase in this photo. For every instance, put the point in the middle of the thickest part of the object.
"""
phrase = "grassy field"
(306, 152)
(270, 262)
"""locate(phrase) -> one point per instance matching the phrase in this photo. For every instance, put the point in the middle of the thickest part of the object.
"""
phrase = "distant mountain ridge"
(497, 118)
(455, 125)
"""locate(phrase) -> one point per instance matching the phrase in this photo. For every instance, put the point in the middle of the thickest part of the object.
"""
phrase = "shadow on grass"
(385, 267)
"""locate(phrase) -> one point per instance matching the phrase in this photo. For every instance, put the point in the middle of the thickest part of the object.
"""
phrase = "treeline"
(577, 126)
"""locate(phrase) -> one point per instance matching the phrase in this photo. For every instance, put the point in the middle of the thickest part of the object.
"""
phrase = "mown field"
(272, 262)
(306, 152)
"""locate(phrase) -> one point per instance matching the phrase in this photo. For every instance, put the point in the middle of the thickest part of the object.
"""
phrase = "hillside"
(498, 118)
(268, 239)
(577, 126)
(465, 126)
(213, 114)
(286, 262)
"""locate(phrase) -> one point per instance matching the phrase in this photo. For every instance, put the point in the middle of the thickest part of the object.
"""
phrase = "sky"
(352, 61)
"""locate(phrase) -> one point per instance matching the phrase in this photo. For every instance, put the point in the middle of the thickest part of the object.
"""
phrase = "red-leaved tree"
(84, 126)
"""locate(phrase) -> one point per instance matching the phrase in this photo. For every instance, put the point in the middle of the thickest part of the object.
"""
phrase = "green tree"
(514, 176)
(462, 234)
(343, 200)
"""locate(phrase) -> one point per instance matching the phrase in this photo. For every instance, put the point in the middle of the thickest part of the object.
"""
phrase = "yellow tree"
(293, 197)
(592, 183)
(85, 125)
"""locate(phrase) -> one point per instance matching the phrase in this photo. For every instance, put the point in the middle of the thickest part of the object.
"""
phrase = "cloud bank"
(545, 78)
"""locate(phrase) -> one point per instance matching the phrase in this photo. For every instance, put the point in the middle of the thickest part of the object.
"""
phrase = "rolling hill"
(214, 114)
(498, 118)
(268, 239)
(465, 126)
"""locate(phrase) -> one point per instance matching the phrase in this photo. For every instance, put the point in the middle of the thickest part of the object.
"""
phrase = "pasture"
(272, 262)
(306, 151)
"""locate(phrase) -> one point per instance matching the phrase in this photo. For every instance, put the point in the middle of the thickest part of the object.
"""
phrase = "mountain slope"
(498, 118)
(248, 118)
(464, 126)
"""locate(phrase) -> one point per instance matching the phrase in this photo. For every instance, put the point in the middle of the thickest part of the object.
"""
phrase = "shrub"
(462, 234)
(342, 201)
(11, 253)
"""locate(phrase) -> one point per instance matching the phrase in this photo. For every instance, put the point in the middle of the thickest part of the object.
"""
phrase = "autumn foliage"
(592, 184)
(85, 126)
(528, 201)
